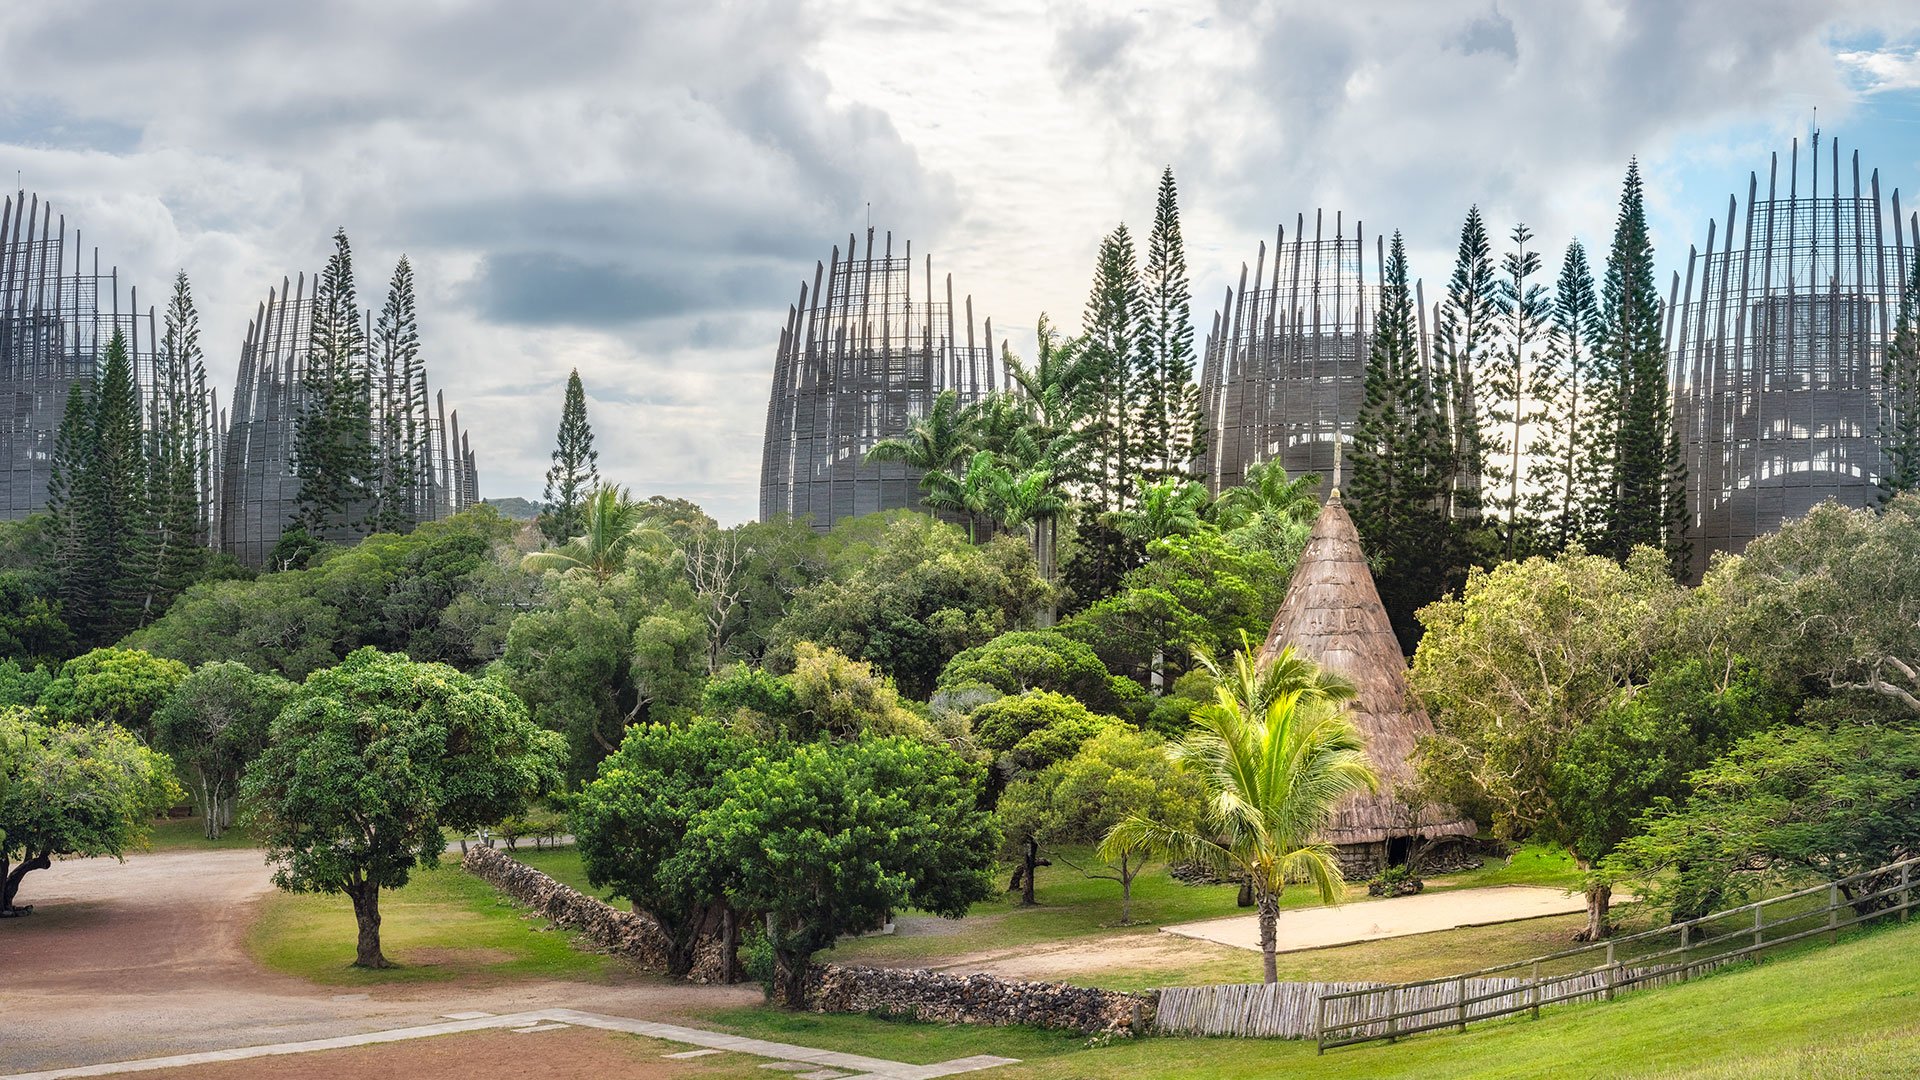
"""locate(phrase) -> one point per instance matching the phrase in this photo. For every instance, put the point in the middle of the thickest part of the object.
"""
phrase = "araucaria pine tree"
(1400, 462)
(333, 438)
(177, 451)
(400, 409)
(1572, 446)
(1645, 504)
(110, 496)
(1468, 335)
(1513, 388)
(1114, 338)
(1170, 420)
(67, 508)
(575, 472)
(1900, 375)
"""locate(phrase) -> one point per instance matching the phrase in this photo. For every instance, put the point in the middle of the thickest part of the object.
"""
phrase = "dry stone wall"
(977, 999)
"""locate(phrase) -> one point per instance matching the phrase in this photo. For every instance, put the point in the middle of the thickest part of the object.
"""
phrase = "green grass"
(189, 834)
(1848, 1010)
(444, 925)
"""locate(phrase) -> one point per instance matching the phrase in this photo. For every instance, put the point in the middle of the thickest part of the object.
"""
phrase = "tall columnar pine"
(1571, 448)
(575, 472)
(1469, 334)
(400, 407)
(1170, 414)
(1900, 423)
(1399, 485)
(66, 505)
(333, 438)
(177, 453)
(1644, 505)
(1515, 386)
(1115, 334)
(113, 512)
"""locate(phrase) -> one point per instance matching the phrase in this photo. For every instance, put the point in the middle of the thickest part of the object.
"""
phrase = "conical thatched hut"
(1332, 614)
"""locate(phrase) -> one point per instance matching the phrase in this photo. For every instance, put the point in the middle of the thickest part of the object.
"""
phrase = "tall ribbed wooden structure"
(859, 360)
(260, 485)
(1332, 615)
(1777, 339)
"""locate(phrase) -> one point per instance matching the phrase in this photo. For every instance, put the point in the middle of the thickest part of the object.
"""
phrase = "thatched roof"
(1332, 614)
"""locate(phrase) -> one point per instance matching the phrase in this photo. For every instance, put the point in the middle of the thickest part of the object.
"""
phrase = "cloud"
(1879, 71)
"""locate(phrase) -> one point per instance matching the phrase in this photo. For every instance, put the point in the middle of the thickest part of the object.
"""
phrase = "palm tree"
(1273, 777)
(1169, 507)
(1267, 491)
(935, 444)
(610, 519)
(976, 493)
(1058, 386)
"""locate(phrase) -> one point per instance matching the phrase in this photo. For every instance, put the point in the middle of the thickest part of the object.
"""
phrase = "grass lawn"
(1851, 1010)
(189, 834)
(445, 924)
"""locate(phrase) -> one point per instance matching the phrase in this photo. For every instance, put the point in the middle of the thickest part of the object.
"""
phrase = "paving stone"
(465, 1015)
(686, 1054)
(538, 1027)
(822, 1074)
(787, 1066)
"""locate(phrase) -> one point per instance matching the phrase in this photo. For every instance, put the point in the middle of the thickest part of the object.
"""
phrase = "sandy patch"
(1318, 928)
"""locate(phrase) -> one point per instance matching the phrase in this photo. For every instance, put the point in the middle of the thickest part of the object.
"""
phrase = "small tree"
(1272, 778)
(830, 840)
(372, 759)
(1117, 774)
(631, 826)
(113, 686)
(575, 472)
(215, 722)
(72, 789)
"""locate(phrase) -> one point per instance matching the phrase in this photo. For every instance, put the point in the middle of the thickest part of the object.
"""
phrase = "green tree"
(1115, 775)
(631, 824)
(100, 503)
(1402, 447)
(177, 467)
(910, 603)
(113, 686)
(1163, 508)
(371, 760)
(934, 445)
(1900, 381)
(1023, 660)
(1271, 780)
(31, 629)
(571, 663)
(1828, 799)
(67, 506)
(216, 721)
(844, 699)
(1530, 653)
(1647, 500)
(1469, 326)
(399, 391)
(1114, 338)
(333, 432)
(1514, 384)
(1171, 426)
(72, 789)
(831, 839)
(1573, 444)
(575, 474)
(609, 523)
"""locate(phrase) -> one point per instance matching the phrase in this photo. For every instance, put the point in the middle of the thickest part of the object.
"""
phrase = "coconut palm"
(1273, 777)
(611, 520)
(1169, 507)
(1267, 491)
(936, 444)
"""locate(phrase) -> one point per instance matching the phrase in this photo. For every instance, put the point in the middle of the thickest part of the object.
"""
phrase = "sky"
(637, 190)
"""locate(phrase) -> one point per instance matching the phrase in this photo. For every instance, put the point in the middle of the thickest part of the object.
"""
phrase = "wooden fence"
(1669, 954)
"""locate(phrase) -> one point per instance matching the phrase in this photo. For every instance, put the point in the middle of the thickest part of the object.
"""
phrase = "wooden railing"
(1669, 954)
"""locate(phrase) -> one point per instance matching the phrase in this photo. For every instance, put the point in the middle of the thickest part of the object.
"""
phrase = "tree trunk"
(366, 912)
(11, 887)
(1026, 883)
(729, 947)
(1599, 898)
(1269, 905)
(791, 976)
(1126, 891)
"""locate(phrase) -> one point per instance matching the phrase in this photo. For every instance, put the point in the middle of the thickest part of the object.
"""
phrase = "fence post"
(1757, 924)
(1320, 1021)
(1833, 913)
(1393, 1016)
(1460, 1004)
(1610, 969)
(1686, 942)
(1536, 989)
(1906, 893)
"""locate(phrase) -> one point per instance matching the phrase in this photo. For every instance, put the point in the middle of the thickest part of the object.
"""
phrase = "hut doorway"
(1398, 848)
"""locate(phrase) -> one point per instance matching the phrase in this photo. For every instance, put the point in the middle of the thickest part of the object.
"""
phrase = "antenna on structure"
(1339, 444)
(1816, 121)
(869, 214)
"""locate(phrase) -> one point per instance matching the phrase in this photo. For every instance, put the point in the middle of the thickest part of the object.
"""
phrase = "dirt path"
(1319, 928)
(149, 957)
